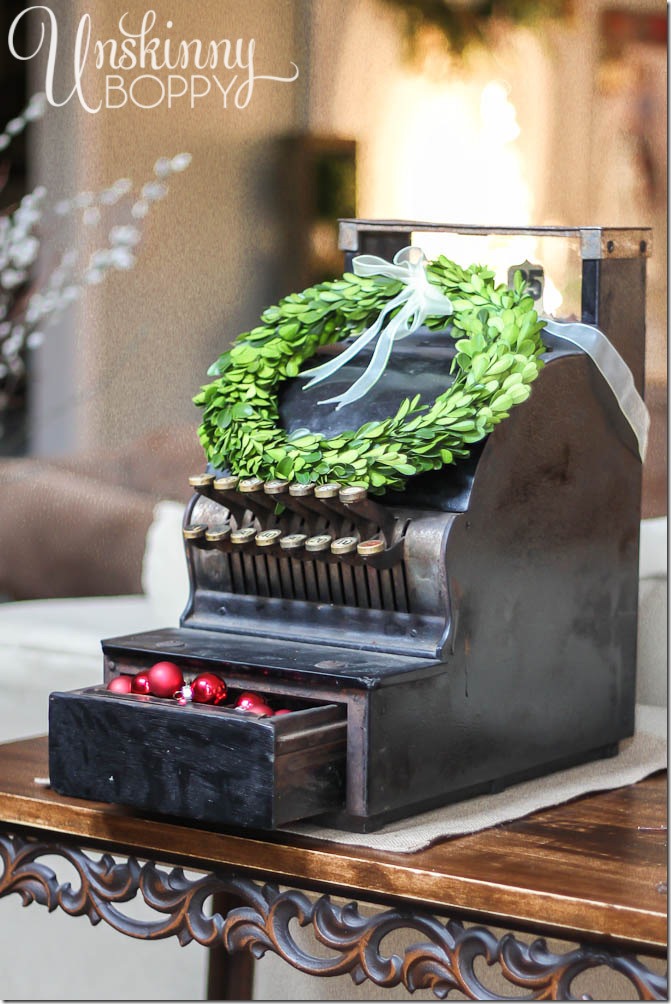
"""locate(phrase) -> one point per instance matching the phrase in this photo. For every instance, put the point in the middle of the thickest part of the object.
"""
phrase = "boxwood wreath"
(497, 333)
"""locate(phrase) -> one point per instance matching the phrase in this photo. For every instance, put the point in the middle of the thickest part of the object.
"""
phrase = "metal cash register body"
(490, 639)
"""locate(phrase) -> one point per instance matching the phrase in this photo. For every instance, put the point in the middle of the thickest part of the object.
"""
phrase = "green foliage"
(498, 343)
(471, 24)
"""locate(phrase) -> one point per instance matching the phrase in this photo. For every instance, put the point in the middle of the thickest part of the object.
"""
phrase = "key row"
(242, 495)
(292, 543)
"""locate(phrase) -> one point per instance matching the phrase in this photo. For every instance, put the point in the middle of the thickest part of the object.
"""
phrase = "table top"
(594, 867)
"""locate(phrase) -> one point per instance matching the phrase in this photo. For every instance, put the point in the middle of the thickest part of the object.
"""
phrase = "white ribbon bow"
(418, 300)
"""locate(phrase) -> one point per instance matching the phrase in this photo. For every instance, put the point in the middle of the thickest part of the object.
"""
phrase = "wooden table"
(591, 871)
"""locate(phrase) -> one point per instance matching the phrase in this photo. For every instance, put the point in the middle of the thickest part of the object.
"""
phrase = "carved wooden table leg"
(229, 977)
(441, 955)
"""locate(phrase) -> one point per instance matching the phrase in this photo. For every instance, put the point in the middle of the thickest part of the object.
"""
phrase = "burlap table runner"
(639, 756)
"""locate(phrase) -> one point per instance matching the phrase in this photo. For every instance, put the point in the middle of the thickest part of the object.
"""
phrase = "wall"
(519, 134)
(143, 340)
(595, 172)
(56, 381)
(512, 136)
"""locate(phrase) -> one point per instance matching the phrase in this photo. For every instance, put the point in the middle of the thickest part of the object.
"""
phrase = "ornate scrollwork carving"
(442, 956)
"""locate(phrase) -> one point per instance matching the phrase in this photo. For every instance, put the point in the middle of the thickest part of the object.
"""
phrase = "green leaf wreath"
(498, 345)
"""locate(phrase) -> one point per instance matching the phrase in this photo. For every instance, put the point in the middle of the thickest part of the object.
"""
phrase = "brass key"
(361, 508)
(305, 497)
(281, 492)
(321, 542)
(276, 486)
(245, 535)
(344, 545)
(330, 495)
(368, 547)
(195, 531)
(202, 483)
(217, 534)
(268, 537)
(255, 497)
(226, 483)
(327, 491)
(293, 541)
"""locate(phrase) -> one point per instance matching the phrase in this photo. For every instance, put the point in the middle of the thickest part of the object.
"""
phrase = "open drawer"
(199, 762)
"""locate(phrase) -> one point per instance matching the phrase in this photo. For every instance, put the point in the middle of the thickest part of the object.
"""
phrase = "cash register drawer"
(211, 764)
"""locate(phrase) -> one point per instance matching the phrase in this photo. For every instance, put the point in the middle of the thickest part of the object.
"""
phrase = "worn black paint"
(531, 665)
(199, 763)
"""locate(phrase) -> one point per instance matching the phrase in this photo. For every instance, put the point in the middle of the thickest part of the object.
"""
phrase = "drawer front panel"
(197, 762)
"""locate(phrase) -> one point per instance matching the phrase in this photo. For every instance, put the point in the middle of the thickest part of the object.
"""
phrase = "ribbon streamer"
(613, 369)
(418, 300)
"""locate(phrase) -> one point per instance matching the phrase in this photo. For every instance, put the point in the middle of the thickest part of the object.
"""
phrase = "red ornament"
(208, 688)
(120, 685)
(140, 684)
(283, 711)
(248, 700)
(164, 679)
(262, 709)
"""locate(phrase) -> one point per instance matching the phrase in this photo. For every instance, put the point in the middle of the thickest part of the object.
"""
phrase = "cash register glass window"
(558, 257)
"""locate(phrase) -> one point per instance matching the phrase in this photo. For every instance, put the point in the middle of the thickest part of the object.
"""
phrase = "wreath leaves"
(498, 344)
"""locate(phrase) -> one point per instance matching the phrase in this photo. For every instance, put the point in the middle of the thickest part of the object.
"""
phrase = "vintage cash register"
(474, 630)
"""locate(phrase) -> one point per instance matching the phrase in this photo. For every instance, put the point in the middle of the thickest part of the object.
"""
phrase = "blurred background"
(550, 113)
(555, 114)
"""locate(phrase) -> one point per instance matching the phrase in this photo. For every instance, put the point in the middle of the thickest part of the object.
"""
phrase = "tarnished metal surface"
(594, 242)
(498, 595)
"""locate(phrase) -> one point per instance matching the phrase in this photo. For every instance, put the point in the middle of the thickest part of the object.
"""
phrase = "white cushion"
(653, 561)
(72, 626)
(50, 645)
(54, 644)
(165, 579)
(651, 660)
